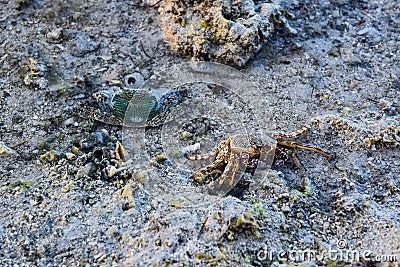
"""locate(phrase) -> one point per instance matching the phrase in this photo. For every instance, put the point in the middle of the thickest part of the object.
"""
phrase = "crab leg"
(293, 135)
(197, 177)
(310, 148)
(230, 171)
(295, 159)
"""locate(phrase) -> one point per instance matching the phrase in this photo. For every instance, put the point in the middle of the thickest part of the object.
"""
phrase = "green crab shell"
(136, 107)
(148, 105)
(140, 109)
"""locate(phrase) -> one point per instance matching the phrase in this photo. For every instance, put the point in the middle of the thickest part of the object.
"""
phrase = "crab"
(247, 152)
(130, 107)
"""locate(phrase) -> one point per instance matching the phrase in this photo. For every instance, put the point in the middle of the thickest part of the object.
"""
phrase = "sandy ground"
(339, 76)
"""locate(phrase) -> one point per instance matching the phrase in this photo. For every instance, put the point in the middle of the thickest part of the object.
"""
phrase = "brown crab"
(247, 152)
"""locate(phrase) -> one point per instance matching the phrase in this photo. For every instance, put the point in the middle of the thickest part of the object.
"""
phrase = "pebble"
(85, 171)
(375, 4)
(97, 138)
(383, 104)
(111, 171)
(376, 40)
(348, 56)
(353, 84)
(52, 156)
(107, 57)
(54, 34)
(308, 73)
(293, 71)
(285, 209)
(78, 96)
(275, 207)
(85, 44)
(68, 121)
(284, 197)
(191, 148)
(368, 30)
(336, 14)
(70, 156)
(113, 231)
(6, 150)
(75, 150)
(346, 111)
(186, 135)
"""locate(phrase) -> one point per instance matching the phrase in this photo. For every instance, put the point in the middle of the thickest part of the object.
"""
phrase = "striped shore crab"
(245, 153)
(134, 107)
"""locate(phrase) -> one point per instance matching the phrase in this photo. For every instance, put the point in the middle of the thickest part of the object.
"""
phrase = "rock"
(383, 104)
(368, 31)
(97, 138)
(6, 150)
(70, 156)
(336, 14)
(52, 156)
(349, 57)
(111, 171)
(128, 193)
(229, 32)
(85, 45)
(113, 231)
(69, 121)
(191, 148)
(85, 171)
(54, 34)
(75, 150)
(285, 209)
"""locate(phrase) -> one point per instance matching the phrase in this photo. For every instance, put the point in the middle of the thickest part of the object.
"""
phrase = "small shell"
(119, 151)
(133, 80)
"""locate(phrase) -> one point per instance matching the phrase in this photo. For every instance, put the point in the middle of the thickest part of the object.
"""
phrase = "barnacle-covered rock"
(98, 156)
(379, 131)
(229, 32)
(35, 74)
